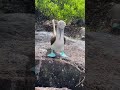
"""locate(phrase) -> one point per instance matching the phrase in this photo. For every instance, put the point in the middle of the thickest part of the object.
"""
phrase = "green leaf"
(62, 9)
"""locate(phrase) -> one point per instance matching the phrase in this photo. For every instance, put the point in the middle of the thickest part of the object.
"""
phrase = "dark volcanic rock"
(58, 73)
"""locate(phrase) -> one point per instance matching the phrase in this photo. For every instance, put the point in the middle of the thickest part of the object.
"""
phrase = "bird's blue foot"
(63, 54)
(52, 55)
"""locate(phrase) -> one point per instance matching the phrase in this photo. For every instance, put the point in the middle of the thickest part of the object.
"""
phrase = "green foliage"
(62, 9)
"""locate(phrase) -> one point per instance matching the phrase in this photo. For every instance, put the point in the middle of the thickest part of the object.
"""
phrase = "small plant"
(62, 9)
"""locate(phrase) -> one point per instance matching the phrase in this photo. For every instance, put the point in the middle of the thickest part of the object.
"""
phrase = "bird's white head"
(61, 24)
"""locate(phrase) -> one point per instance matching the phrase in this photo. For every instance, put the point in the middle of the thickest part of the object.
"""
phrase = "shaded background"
(17, 6)
(102, 47)
(97, 13)
(17, 54)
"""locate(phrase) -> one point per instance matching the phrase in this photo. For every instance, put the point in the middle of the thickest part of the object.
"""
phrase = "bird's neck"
(60, 34)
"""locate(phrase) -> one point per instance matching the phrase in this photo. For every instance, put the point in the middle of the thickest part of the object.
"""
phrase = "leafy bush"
(62, 9)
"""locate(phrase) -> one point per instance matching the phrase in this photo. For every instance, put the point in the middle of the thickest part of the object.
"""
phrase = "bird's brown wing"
(64, 40)
(53, 40)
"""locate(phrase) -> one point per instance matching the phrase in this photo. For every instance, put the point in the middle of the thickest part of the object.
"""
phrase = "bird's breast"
(58, 45)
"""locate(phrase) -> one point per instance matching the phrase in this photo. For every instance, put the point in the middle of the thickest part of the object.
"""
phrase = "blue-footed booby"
(58, 40)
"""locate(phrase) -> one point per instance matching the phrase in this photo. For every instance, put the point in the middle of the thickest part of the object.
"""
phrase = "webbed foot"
(52, 55)
(63, 54)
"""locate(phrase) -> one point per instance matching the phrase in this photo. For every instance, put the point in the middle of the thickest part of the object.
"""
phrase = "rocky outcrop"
(53, 72)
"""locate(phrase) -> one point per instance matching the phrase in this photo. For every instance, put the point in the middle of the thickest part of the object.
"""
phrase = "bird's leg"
(62, 53)
(52, 54)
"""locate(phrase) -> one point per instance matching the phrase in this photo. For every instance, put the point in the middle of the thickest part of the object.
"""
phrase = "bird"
(58, 40)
